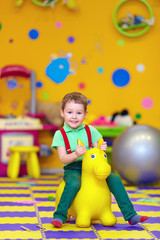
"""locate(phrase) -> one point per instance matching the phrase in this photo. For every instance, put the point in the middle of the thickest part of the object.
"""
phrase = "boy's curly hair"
(76, 97)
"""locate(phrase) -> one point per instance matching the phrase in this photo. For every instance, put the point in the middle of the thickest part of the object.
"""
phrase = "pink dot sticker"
(81, 86)
(58, 25)
(147, 103)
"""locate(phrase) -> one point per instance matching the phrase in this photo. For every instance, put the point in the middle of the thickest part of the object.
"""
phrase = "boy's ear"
(62, 113)
(86, 113)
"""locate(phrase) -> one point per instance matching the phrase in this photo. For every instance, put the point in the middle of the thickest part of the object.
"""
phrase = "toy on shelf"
(21, 71)
(20, 122)
(45, 3)
(93, 192)
(101, 121)
(70, 4)
(133, 21)
(51, 2)
(18, 3)
(21, 130)
(50, 111)
(45, 150)
(121, 119)
(117, 119)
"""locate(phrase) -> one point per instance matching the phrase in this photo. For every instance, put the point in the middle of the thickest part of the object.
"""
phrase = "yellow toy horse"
(93, 201)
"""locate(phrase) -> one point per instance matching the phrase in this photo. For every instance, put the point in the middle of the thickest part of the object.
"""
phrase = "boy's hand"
(103, 146)
(80, 150)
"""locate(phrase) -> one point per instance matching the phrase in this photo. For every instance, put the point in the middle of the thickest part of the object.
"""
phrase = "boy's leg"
(117, 188)
(72, 179)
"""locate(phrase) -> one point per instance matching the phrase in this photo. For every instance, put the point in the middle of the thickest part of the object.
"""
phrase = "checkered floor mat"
(27, 203)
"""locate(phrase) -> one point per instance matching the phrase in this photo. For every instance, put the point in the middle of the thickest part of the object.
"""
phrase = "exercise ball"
(136, 155)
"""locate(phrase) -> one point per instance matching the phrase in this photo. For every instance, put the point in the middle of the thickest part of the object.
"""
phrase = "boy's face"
(73, 114)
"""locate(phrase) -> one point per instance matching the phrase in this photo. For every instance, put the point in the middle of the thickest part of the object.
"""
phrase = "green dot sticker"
(121, 42)
(45, 95)
(138, 116)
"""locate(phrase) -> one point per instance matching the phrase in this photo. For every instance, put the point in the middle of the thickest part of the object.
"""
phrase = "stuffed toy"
(122, 119)
(133, 20)
(51, 111)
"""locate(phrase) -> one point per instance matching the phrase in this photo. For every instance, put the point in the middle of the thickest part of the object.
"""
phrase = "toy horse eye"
(105, 156)
(93, 156)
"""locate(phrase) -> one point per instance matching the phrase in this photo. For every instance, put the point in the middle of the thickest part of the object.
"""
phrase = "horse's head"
(95, 162)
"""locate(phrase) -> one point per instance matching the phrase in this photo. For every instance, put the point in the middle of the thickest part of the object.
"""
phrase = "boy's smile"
(73, 114)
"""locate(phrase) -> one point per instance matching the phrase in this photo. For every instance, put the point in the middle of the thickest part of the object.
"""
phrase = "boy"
(74, 110)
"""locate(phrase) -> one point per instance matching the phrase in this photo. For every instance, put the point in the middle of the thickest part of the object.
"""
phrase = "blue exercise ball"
(136, 155)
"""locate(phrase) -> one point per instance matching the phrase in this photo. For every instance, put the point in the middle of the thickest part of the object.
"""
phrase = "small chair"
(33, 167)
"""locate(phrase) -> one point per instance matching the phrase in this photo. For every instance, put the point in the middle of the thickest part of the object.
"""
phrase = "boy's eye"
(69, 112)
(79, 113)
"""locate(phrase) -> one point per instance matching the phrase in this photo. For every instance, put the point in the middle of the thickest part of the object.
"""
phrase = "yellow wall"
(96, 42)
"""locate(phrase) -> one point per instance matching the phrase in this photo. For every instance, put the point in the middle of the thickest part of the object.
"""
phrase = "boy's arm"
(95, 138)
(68, 158)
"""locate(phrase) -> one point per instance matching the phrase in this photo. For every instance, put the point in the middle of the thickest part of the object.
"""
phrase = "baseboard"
(51, 170)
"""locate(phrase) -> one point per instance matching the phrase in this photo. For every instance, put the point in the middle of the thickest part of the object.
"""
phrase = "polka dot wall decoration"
(71, 39)
(39, 84)
(33, 34)
(45, 95)
(140, 68)
(89, 101)
(69, 55)
(58, 24)
(100, 70)
(83, 61)
(147, 103)
(81, 85)
(121, 77)
(138, 116)
(121, 42)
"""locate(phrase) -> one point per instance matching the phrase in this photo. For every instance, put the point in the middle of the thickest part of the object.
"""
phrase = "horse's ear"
(79, 142)
(100, 141)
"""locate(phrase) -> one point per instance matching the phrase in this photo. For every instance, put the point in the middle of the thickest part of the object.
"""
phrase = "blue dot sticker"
(89, 101)
(121, 77)
(100, 70)
(33, 34)
(71, 39)
(39, 84)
